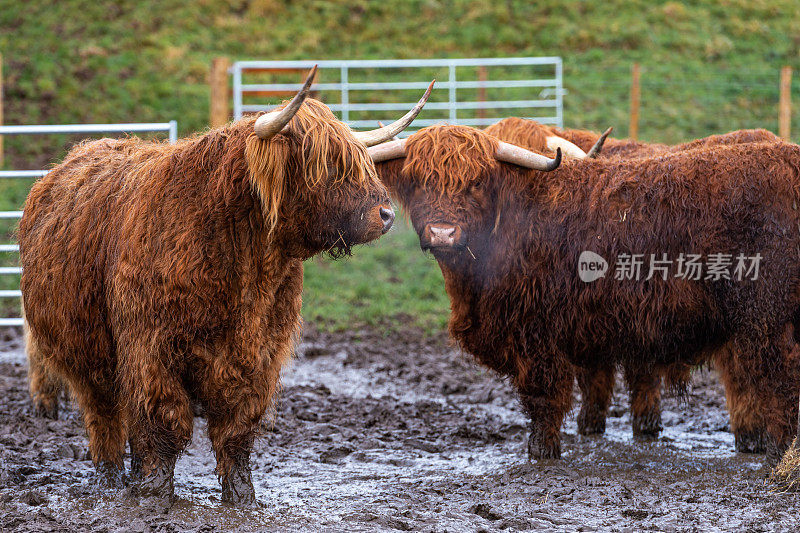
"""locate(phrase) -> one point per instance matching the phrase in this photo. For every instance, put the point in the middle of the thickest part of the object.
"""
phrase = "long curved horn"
(569, 149)
(270, 124)
(388, 150)
(380, 135)
(594, 151)
(381, 125)
(511, 153)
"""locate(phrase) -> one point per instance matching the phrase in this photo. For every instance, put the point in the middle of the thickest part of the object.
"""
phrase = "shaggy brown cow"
(157, 275)
(645, 389)
(508, 242)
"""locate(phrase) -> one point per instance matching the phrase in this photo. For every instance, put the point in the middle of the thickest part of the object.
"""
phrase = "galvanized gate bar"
(22, 173)
(550, 97)
(401, 63)
(171, 128)
(361, 86)
(88, 128)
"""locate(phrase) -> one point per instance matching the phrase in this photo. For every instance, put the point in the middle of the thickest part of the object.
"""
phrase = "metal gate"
(471, 92)
(170, 127)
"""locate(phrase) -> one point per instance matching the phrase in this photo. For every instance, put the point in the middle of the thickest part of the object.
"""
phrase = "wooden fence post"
(785, 105)
(633, 129)
(219, 110)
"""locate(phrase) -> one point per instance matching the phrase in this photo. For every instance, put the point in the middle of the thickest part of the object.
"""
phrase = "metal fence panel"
(472, 92)
(170, 128)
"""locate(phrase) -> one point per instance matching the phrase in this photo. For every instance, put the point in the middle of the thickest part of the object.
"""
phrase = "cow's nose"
(443, 236)
(387, 217)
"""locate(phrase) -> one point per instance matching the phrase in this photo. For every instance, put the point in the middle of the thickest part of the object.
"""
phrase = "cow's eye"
(333, 172)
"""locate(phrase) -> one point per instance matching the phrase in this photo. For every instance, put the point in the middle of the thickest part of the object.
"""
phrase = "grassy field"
(707, 67)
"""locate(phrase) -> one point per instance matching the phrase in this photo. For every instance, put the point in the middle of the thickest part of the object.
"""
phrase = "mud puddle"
(401, 433)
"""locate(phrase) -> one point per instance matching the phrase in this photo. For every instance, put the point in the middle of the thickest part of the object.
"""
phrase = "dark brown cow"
(158, 275)
(508, 242)
(645, 389)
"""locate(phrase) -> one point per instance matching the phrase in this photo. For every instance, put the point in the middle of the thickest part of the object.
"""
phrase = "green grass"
(707, 67)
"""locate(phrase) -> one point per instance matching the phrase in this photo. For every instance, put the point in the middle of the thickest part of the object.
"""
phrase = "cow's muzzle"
(442, 236)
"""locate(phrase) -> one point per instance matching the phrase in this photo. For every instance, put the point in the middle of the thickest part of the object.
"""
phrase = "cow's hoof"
(750, 441)
(539, 450)
(647, 427)
(237, 488)
(591, 421)
(110, 475)
(773, 450)
(46, 409)
(136, 468)
(156, 489)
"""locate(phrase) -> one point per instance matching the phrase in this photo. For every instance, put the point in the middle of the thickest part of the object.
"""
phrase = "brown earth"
(403, 433)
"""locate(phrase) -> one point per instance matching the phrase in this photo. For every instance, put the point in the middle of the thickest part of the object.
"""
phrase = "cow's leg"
(232, 430)
(236, 389)
(45, 386)
(234, 411)
(103, 417)
(644, 388)
(747, 416)
(546, 395)
(597, 387)
(772, 367)
(238, 379)
(161, 426)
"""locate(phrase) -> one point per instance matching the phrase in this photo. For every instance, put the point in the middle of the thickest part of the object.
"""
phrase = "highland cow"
(645, 389)
(158, 275)
(508, 242)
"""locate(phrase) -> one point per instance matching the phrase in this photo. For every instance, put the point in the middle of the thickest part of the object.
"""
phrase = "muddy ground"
(399, 433)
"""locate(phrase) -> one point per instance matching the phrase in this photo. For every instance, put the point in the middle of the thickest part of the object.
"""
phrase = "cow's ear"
(508, 182)
(267, 163)
(391, 174)
(389, 171)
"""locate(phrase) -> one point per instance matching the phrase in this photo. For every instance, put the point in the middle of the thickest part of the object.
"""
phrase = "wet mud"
(376, 433)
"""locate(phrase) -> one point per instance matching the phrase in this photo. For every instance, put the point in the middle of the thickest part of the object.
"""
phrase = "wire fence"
(677, 106)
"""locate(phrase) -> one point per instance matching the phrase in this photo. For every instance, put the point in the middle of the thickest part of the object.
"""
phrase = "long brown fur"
(156, 275)
(746, 419)
(519, 307)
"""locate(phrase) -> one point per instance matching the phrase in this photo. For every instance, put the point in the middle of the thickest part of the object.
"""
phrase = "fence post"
(633, 129)
(219, 112)
(1, 109)
(785, 105)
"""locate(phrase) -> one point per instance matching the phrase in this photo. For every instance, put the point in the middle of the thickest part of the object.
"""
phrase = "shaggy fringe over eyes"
(446, 159)
(329, 141)
(326, 143)
(267, 163)
(522, 132)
